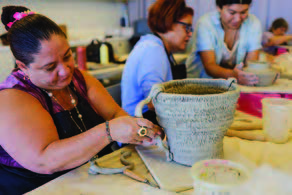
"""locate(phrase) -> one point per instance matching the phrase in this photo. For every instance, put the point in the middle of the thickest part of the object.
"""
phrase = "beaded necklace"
(73, 102)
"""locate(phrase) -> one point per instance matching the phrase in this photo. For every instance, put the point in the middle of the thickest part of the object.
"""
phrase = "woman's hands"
(245, 78)
(125, 129)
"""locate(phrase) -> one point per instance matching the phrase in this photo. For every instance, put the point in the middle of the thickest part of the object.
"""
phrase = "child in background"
(276, 36)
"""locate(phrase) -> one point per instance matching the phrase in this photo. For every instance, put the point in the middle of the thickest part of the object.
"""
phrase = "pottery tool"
(95, 169)
(169, 176)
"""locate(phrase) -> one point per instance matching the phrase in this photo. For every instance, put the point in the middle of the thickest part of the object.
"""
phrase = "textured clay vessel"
(195, 115)
(267, 75)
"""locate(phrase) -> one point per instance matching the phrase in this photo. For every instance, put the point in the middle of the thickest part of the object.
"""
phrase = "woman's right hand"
(125, 129)
(245, 78)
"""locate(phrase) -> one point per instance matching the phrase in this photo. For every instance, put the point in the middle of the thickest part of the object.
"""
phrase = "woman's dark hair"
(221, 3)
(279, 23)
(4, 39)
(163, 13)
(26, 34)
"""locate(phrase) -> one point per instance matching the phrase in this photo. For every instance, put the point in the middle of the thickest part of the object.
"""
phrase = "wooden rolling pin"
(246, 135)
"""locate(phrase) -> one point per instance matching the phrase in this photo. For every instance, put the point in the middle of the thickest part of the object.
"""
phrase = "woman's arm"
(29, 135)
(97, 93)
(278, 40)
(252, 55)
(212, 69)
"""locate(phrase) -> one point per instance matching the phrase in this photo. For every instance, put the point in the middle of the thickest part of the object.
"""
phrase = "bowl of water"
(217, 176)
(264, 71)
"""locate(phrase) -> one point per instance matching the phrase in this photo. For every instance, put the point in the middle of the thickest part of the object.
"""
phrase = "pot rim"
(236, 90)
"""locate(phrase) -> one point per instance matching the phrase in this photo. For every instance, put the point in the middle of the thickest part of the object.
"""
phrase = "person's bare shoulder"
(20, 111)
(26, 127)
(11, 99)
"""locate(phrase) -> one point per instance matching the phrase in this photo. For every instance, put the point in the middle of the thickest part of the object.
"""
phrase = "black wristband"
(107, 129)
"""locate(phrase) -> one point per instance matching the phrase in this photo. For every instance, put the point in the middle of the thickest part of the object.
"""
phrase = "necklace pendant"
(80, 116)
(73, 101)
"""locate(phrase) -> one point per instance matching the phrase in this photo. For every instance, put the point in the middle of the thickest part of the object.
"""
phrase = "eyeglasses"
(188, 27)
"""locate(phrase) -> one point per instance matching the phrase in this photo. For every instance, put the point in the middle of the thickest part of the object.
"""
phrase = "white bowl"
(217, 176)
(263, 70)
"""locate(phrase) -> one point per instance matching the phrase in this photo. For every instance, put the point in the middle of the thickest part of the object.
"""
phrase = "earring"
(25, 77)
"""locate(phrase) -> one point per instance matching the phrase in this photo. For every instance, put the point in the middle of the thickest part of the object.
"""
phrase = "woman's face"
(279, 31)
(181, 33)
(53, 66)
(232, 16)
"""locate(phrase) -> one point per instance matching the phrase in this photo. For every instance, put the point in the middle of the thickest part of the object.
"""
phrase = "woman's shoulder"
(16, 97)
(16, 84)
(78, 76)
(214, 15)
(210, 19)
(17, 80)
(252, 25)
(11, 80)
(252, 20)
(148, 45)
(79, 82)
(150, 41)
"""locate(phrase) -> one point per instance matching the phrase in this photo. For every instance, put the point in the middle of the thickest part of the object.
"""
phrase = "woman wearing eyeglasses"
(225, 40)
(151, 60)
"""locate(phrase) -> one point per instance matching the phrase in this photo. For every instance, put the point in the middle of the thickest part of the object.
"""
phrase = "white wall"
(85, 20)
(280, 8)
(82, 17)
(6, 62)
(265, 10)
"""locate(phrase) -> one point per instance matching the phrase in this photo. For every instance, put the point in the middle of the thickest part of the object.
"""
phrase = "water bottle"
(104, 56)
(81, 57)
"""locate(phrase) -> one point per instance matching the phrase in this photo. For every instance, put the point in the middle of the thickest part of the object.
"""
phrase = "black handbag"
(93, 52)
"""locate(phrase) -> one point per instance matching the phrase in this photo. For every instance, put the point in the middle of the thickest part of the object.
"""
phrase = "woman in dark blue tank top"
(55, 118)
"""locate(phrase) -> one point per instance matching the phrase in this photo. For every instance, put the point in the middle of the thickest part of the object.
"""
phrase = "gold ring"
(142, 131)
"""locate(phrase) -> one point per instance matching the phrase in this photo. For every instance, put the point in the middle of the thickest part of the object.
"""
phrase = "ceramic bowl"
(218, 176)
(258, 65)
(267, 75)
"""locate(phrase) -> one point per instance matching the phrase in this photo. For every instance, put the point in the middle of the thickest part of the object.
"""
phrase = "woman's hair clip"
(19, 16)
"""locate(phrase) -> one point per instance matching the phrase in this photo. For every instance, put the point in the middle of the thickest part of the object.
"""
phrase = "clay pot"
(263, 70)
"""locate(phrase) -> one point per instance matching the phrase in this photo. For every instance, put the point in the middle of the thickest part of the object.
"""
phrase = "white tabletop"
(252, 154)
(78, 181)
(280, 86)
